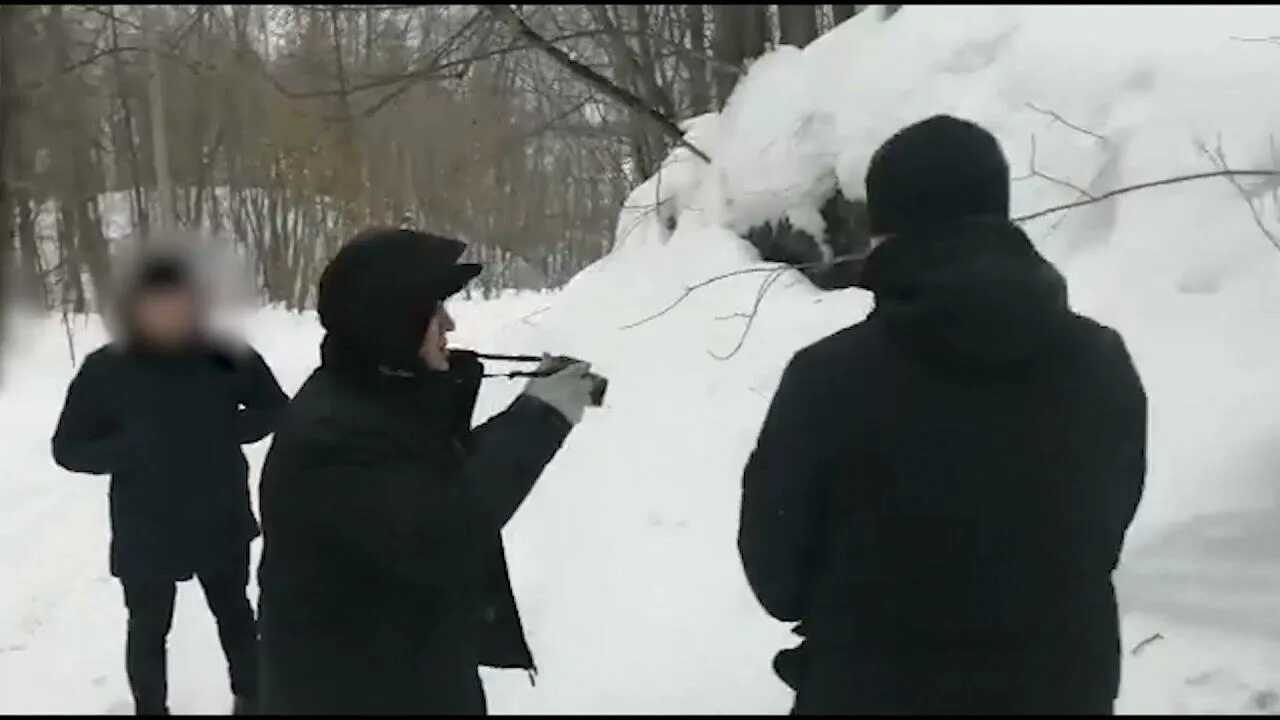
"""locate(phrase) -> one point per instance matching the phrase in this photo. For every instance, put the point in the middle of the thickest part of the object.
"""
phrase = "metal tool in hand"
(599, 384)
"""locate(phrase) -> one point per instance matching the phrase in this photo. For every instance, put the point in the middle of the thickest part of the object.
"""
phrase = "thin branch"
(1034, 172)
(1145, 186)
(623, 96)
(751, 317)
(1272, 40)
(777, 268)
(194, 66)
(704, 283)
(1219, 159)
(432, 71)
(1067, 123)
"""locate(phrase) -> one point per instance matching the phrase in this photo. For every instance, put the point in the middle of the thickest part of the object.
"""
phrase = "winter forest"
(286, 127)
(686, 197)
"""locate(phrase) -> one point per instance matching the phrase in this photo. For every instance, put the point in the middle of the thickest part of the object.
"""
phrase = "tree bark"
(797, 24)
(695, 61)
(843, 12)
(160, 143)
(79, 174)
(740, 35)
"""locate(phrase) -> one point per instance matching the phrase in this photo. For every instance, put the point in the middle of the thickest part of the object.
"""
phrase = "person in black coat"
(940, 493)
(164, 410)
(384, 582)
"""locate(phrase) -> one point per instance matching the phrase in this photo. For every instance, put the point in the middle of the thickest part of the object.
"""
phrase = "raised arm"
(508, 454)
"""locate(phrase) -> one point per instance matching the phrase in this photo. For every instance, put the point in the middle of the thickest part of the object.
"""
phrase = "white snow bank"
(1113, 96)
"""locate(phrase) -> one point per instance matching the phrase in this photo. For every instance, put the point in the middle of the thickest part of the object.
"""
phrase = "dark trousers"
(150, 604)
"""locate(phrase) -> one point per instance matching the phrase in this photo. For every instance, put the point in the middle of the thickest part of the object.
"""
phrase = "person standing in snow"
(164, 410)
(939, 493)
(384, 581)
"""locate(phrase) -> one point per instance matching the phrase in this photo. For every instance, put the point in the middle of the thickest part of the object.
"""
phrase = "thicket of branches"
(284, 128)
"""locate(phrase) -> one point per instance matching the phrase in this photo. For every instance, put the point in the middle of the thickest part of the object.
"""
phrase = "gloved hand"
(567, 390)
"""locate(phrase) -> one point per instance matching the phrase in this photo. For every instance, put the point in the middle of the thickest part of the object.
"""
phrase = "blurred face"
(165, 317)
(435, 344)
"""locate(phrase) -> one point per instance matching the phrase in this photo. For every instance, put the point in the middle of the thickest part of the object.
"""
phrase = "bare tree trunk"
(160, 145)
(695, 61)
(844, 12)
(142, 215)
(727, 48)
(740, 35)
(7, 104)
(757, 35)
(80, 176)
(797, 24)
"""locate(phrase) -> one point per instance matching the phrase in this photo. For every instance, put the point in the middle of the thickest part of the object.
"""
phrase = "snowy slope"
(624, 558)
(1182, 271)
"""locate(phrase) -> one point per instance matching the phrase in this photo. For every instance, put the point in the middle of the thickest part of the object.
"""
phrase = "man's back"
(940, 493)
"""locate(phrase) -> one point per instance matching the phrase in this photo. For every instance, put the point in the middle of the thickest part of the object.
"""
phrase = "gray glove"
(568, 391)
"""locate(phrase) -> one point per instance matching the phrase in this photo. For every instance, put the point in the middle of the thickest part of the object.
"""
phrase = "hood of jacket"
(976, 298)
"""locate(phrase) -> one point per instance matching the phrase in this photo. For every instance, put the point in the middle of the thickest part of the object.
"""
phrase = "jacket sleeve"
(508, 454)
(1132, 434)
(781, 497)
(88, 439)
(261, 400)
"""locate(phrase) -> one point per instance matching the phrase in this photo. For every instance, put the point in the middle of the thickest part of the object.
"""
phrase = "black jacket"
(940, 493)
(168, 429)
(384, 583)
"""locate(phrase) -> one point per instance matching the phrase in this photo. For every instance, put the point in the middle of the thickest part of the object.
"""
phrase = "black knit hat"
(379, 292)
(936, 173)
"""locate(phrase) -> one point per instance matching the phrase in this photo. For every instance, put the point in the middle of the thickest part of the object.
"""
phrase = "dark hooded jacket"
(168, 428)
(940, 493)
(384, 582)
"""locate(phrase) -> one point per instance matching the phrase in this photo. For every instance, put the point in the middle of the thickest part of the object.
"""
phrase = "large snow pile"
(651, 599)
(624, 558)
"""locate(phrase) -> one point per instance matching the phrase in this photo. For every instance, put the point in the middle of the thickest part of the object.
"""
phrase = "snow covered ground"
(624, 559)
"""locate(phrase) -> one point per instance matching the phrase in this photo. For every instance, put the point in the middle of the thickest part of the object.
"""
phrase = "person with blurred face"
(384, 582)
(164, 409)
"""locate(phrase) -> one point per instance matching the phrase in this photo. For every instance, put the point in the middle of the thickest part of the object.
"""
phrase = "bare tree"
(740, 35)
(7, 103)
(696, 59)
(840, 13)
(797, 24)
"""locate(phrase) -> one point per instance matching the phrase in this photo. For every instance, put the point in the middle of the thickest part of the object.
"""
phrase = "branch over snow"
(600, 82)
(1145, 186)
(1218, 158)
(1035, 172)
(776, 270)
(1067, 123)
